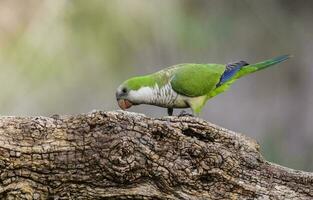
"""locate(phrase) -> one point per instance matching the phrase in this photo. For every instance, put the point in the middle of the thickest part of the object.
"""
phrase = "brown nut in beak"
(124, 104)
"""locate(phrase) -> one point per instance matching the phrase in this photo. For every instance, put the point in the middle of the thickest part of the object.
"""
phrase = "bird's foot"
(170, 111)
(184, 114)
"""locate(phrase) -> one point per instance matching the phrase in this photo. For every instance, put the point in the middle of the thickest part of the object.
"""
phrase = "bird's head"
(123, 96)
(134, 91)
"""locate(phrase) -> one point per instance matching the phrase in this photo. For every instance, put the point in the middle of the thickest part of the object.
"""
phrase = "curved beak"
(124, 104)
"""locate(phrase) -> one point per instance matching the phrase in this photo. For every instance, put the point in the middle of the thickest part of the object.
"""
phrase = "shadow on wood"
(122, 155)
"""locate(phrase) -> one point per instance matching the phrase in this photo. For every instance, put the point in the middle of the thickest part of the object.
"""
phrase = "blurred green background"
(68, 57)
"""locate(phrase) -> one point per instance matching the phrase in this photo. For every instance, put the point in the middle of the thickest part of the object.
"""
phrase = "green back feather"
(195, 80)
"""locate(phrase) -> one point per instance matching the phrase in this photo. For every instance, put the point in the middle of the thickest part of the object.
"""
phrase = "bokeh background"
(68, 57)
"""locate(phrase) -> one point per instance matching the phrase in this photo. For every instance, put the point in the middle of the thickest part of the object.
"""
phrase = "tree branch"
(121, 155)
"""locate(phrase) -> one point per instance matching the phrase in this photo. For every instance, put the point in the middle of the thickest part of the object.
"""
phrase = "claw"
(184, 114)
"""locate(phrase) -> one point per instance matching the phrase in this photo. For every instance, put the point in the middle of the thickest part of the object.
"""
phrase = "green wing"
(195, 80)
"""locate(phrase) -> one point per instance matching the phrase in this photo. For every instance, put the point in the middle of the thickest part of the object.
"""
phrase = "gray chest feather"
(167, 97)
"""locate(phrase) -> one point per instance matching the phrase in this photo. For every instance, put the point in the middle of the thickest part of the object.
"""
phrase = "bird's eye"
(124, 90)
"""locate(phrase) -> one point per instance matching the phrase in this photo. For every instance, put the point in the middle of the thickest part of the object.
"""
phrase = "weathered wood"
(121, 155)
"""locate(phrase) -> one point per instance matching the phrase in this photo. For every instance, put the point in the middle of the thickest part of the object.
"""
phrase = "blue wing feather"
(230, 71)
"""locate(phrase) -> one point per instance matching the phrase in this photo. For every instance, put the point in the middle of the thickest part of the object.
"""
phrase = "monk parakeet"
(186, 85)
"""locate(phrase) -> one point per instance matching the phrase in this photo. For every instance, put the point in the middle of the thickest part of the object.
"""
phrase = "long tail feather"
(247, 70)
(261, 65)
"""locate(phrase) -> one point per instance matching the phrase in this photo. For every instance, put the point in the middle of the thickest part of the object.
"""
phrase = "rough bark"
(120, 155)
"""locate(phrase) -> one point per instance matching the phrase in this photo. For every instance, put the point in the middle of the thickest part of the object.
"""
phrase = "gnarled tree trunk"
(121, 155)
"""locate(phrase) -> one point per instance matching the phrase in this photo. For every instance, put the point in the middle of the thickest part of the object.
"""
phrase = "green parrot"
(186, 85)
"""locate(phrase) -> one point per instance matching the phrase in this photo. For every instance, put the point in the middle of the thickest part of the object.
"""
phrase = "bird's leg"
(170, 111)
(184, 113)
